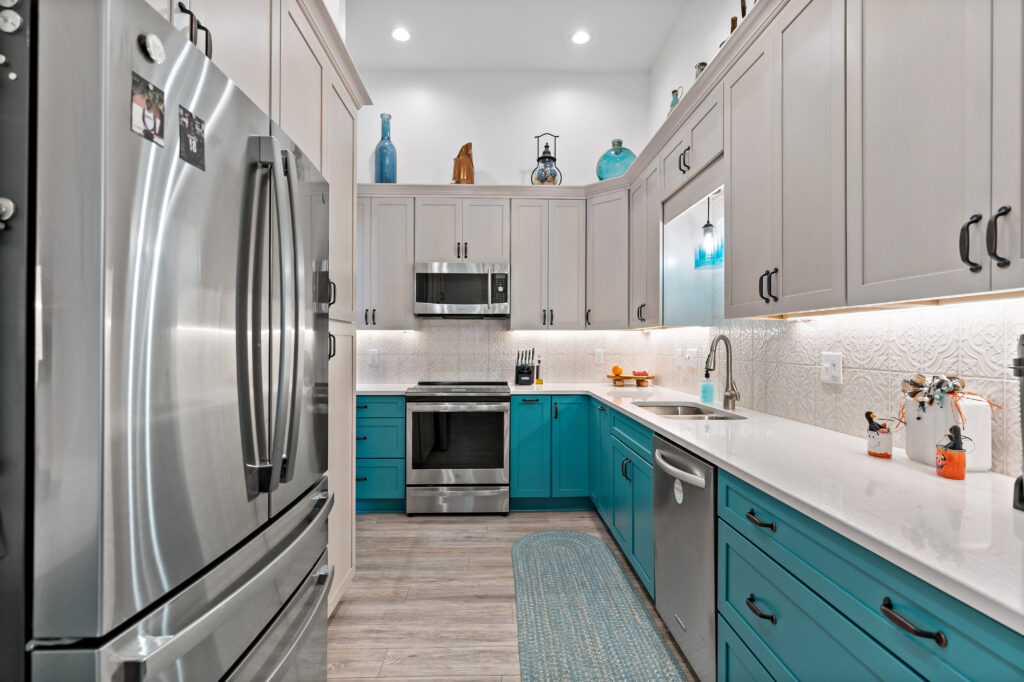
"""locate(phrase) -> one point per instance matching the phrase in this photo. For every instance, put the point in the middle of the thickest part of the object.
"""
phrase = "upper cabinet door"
(637, 252)
(485, 230)
(748, 206)
(566, 264)
(391, 268)
(438, 229)
(339, 170)
(652, 226)
(364, 263)
(1007, 144)
(529, 271)
(608, 261)
(919, 139)
(300, 91)
(705, 128)
(809, 201)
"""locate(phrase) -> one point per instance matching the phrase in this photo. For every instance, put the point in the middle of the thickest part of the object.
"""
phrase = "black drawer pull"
(359, 480)
(757, 612)
(361, 437)
(362, 407)
(758, 522)
(530, 400)
(760, 287)
(905, 625)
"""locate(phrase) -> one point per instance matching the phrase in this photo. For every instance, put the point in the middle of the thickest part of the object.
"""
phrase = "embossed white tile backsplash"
(776, 363)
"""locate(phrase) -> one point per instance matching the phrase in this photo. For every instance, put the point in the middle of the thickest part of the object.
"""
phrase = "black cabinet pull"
(556, 409)
(209, 38)
(622, 467)
(965, 243)
(757, 612)
(683, 164)
(625, 469)
(465, 249)
(551, 316)
(587, 317)
(601, 409)
(770, 275)
(362, 407)
(686, 159)
(361, 437)
(530, 400)
(905, 625)
(331, 346)
(334, 292)
(458, 249)
(992, 237)
(544, 317)
(366, 316)
(373, 316)
(360, 479)
(643, 317)
(760, 287)
(759, 523)
(193, 23)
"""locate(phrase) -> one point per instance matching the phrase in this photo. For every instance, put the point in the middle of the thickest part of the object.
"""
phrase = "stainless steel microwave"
(461, 290)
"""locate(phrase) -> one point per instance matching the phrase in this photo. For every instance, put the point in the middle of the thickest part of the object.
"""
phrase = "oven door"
(457, 443)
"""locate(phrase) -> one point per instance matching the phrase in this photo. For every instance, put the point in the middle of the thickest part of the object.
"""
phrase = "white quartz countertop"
(963, 537)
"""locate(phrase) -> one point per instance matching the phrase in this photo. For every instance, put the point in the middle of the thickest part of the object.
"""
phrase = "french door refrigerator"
(163, 503)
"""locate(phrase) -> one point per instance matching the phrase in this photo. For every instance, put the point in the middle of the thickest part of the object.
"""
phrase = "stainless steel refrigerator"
(163, 504)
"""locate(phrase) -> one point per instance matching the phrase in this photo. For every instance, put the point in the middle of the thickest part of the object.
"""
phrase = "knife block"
(524, 375)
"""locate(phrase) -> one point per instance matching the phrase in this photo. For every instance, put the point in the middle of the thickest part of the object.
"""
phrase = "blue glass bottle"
(385, 157)
(615, 161)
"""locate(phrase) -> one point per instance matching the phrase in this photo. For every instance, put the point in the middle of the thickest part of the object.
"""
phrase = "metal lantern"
(546, 172)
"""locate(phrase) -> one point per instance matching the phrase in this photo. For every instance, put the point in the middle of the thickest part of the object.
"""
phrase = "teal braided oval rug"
(578, 616)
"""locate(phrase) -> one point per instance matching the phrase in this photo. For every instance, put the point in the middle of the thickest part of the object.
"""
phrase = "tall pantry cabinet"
(288, 57)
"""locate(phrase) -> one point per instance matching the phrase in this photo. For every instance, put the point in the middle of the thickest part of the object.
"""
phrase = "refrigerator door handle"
(298, 355)
(149, 654)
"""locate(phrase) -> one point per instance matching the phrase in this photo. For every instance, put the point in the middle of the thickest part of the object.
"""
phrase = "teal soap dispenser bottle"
(707, 389)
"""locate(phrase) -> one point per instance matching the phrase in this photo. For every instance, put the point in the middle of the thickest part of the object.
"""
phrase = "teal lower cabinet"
(838, 606)
(530, 447)
(622, 497)
(601, 467)
(570, 446)
(632, 510)
(735, 662)
(380, 453)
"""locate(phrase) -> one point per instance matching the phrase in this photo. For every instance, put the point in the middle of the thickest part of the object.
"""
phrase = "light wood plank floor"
(433, 597)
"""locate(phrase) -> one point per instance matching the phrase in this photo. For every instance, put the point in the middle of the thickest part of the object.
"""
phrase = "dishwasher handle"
(677, 473)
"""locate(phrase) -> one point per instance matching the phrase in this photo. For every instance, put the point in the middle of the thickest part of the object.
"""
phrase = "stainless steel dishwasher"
(684, 552)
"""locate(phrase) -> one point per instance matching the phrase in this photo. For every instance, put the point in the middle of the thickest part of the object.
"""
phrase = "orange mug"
(950, 463)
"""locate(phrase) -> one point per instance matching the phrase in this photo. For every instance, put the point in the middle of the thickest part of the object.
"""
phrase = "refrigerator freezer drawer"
(202, 632)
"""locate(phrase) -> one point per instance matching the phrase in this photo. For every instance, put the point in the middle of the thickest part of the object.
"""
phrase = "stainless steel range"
(457, 436)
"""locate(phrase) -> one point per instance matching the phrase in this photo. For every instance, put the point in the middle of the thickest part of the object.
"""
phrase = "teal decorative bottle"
(615, 161)
(385, 157)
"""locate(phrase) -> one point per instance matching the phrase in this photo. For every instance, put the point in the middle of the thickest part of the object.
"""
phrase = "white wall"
(433, 113)
(702, 26)
(336, 8)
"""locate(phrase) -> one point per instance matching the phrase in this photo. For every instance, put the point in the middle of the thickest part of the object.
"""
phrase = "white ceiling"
(510, 34)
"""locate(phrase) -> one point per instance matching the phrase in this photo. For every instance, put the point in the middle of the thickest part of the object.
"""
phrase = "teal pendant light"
(710, 251)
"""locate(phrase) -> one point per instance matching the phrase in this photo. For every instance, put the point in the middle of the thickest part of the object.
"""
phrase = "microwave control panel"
(499, 288)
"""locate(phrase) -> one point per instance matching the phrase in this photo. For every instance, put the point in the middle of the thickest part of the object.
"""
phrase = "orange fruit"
(617, 371)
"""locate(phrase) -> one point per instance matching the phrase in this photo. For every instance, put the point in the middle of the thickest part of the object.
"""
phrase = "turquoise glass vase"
(385, 168)
(615, 161)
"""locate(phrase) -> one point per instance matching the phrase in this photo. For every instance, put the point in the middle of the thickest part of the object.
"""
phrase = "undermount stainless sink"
(685, 410)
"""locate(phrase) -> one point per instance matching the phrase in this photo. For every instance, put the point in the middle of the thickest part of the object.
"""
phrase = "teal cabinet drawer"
(797, 636)
(570, 446)
(380, 438)
(380, 406)
(735, 662)
(380, 479)
(529, 458)
(856, 582)
(634, 435)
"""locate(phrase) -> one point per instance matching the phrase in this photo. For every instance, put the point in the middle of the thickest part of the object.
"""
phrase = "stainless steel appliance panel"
(304, 458)
(203, 632)
(684, 552)
(461, 290)
(463, 499)
(144, 474)
(457, 443)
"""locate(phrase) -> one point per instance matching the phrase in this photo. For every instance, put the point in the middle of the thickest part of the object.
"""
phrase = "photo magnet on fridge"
(147, 110)
(191, 138)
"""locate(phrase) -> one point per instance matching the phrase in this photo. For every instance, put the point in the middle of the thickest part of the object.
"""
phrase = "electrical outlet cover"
(832, 368)
(374, 357)
(598, 356)
(692, 357)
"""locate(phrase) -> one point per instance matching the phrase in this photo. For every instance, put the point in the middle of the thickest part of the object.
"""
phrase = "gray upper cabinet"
(548, 264)
(785, 206)
(699, 141)
(387, 251)
(458, 229)
(919, 143)
(1007, 144)
(607, 261)
(645, 249)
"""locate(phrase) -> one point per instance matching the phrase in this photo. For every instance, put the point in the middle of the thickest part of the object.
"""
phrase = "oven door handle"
(458, 407)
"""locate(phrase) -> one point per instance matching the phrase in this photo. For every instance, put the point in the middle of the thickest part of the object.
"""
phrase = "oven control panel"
(499, 287)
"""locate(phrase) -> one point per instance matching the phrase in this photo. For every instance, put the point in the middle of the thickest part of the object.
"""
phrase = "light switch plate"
(692, 357)
(832, 368)
(374, 357)
(598, 356)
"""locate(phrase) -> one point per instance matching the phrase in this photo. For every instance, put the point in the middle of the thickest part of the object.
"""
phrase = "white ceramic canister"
(928, 428)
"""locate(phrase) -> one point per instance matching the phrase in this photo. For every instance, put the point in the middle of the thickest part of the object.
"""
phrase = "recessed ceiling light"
(400, 34)
(580, 37)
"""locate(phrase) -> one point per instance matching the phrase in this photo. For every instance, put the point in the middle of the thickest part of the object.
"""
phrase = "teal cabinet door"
(607, 469)
(735, 662)
(594, 452)
(530, 447)
(642, 474)
(622, 497)
(570, 451)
